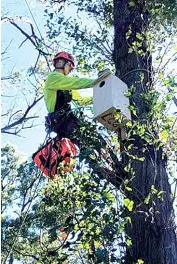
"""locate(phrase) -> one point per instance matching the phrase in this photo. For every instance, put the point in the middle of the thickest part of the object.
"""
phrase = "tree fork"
(152, 229)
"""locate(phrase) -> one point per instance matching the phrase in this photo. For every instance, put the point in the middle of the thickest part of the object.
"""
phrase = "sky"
(20, 59)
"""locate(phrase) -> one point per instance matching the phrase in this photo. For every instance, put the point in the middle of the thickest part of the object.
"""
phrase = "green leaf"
(97, 244)
(86, 245)
(141, 159)
(161, 76)
(82, 223)
(78, 203)
(98, 230)
(160, 195)
(164, 135)
(109, 196)
(76, 228)
(92, 156)
(128, 242)
(129, 124)
(139, 36)
(129, 204)
(147, 199)
(128, 189)
(131, 3)
(154, 190)
(129, 220)
(140, 261)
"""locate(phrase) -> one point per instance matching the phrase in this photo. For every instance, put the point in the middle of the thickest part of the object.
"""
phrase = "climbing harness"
(53, 119)
(56, 156)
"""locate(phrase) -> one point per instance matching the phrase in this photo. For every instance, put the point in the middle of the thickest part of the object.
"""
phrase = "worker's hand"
(104, 72)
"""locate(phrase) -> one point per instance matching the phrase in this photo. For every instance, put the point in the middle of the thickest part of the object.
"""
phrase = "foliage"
(20, 180)
(75, 217)
(9, 166)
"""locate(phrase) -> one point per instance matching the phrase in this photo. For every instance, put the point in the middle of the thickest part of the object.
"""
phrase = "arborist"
(57, 95)
(58, 91)
(57, 155)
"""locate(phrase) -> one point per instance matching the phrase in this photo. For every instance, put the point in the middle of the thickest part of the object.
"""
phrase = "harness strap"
(55, 118)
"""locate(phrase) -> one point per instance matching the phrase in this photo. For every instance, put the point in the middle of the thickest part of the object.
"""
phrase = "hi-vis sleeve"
(57, 81)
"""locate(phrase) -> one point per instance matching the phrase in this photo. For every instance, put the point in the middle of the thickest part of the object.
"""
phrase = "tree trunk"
(152, 229)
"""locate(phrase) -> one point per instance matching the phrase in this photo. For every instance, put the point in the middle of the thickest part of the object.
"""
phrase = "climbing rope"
(39, 32)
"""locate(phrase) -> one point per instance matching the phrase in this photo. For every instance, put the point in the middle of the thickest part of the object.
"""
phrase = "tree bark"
(152, 229)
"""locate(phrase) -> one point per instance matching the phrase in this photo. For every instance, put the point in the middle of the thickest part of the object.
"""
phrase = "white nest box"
(109, 98)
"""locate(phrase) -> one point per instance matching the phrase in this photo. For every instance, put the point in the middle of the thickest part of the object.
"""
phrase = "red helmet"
(64, 55)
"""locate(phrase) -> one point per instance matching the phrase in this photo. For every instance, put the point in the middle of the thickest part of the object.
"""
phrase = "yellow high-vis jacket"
(56, 81)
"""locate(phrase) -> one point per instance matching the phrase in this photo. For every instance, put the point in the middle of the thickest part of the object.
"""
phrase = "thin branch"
(30, 38)
(5, 114)
(167, 61)
(23, 42)
(135, 70)
(37, 61)
(7, 78)
(23, 118)
(24, 33)
(27, 254)
(163, 55)
(7, 47)
(13, 115)
(99, 24)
